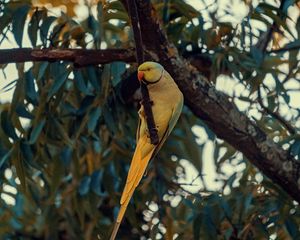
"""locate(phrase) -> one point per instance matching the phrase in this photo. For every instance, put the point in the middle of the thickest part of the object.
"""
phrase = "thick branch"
(218, 112)
(80, 57)
(85, 57)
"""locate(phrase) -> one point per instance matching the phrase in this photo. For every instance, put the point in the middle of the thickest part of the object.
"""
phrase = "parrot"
(167, 103)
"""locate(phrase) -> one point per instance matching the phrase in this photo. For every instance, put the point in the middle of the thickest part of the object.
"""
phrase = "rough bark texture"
(80, 57)
(213, 107)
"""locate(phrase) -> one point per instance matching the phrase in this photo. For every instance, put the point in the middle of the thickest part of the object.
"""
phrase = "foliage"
(67, 136)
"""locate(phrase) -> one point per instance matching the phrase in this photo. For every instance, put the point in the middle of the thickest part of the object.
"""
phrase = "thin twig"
(275, 115)
(146, 102)
(263, 43)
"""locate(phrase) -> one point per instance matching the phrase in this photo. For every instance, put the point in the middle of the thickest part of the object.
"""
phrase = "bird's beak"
(140, 75)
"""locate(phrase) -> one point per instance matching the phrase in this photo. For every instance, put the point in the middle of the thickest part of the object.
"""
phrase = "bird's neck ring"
(150, 83)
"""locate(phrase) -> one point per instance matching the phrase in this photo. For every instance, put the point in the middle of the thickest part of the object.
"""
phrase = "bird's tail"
(136, 172)
(120, 216)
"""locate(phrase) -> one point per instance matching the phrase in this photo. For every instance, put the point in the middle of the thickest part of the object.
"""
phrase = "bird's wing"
(176, 111)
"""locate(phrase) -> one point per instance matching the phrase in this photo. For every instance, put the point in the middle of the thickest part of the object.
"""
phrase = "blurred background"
(68, 134)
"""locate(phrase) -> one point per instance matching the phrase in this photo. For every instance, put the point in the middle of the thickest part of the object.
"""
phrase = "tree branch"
(80, 57)
(217, 111)
(146, 102)
(263, 42)
(275, 114)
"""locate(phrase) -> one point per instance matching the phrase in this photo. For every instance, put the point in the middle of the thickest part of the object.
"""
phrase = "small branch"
(264, 41)
(275, 115)
(80, 57)
(284, 49)
(132, 11)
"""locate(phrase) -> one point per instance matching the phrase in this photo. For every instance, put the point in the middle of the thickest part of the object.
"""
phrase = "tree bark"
(80, 57)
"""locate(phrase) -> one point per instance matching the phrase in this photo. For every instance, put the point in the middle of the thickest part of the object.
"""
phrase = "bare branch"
(80, 57)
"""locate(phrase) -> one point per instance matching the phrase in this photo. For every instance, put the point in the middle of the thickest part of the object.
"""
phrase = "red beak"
(140, 75)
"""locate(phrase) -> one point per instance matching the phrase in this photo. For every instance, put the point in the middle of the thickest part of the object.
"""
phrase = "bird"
(167, 102)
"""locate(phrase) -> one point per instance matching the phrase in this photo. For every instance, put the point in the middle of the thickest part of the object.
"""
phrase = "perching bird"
(167, 105)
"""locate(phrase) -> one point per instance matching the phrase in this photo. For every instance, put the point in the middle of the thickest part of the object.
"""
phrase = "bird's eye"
(148, 69)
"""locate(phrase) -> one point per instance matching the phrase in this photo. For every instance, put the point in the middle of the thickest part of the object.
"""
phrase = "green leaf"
(15, 224)
(7, 126)
(287, 4)
(295, 149)
(93, 118)
(5, 158)
(197, 226)
(20, 168)
(26, 151)
(18, 23)
(117, 69)
(31, 93)
(94, 78)
(80, 83)
(18, 207)
(84, 186)
(42, 68)
(109, 120)
(22, 112)
(45, 28)
(66, 155)
(36, 131)
(58, 83)
(292, 228)
(257, 55)
(34, 25)
(96, 181)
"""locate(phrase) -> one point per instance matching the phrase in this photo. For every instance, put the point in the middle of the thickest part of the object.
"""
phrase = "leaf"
(96, 181)
(15, 224)
(85, 104)
(20, 168)
(9, 86)
(226, 207)
(93, 78)
(5, 158)
(197, 226)
(84, 186)
(18, 23)
(42, 68)
(93, 118)
(80, 83)
(36, 131)
(257, 55)
(292, 228)
(22, 111)
(7, 126)
(58, 83)
(117, 69)
(31, 94)
(18, 207)
(34, 25)
(295, 149)
(45, 28)
(26, 151)
(66, 155)
(109, 119)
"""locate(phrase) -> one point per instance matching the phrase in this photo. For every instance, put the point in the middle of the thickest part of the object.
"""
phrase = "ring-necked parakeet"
(167, 105)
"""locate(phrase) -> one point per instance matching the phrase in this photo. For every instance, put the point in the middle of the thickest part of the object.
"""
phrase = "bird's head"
(150, 72)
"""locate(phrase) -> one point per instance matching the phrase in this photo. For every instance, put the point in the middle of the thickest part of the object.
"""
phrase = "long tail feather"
(136, 171)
